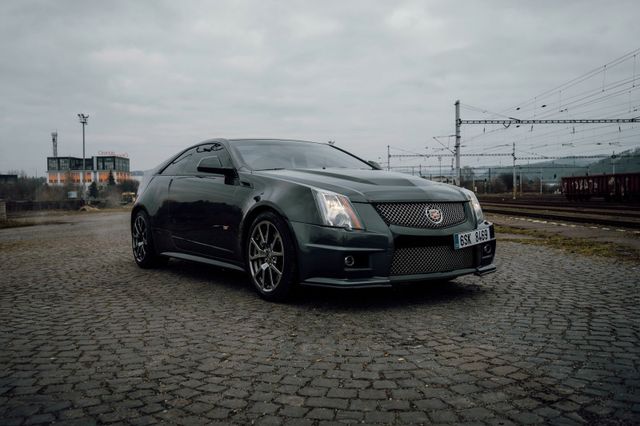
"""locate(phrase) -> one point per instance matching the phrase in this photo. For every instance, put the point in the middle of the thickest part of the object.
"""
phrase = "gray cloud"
(158, 76)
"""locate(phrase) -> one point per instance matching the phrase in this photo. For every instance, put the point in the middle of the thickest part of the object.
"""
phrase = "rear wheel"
(270, 257)
(144, 251)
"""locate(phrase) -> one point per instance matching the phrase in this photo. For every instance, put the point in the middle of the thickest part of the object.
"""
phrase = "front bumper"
(322, 252)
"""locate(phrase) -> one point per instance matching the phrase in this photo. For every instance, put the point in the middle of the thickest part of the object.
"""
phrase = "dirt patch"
(49, 213)
(15, 223)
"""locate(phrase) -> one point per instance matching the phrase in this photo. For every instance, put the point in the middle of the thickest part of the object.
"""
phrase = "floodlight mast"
(457, 145)
(83, 120)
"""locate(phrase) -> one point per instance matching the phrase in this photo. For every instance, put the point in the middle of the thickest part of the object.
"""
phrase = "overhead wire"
(581, 78)
(612, 96)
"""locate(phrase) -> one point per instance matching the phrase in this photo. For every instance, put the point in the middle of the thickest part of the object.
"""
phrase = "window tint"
(213, 150)
(179, 166)
(187, 163)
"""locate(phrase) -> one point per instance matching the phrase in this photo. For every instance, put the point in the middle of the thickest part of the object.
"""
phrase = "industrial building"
(62, 170)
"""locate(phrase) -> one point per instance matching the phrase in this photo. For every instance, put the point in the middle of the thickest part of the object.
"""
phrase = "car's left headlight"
(336, 210)
(475, 204)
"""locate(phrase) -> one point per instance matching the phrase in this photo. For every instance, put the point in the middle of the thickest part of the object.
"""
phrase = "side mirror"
(213, 165)
(374, 164)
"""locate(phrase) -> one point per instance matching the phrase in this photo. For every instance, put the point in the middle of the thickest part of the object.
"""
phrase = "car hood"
(362, 186)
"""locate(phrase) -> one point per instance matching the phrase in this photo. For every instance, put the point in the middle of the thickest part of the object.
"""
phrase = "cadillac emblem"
(434, 215)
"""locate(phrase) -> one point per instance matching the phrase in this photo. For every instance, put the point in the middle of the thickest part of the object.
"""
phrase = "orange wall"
(73, 177)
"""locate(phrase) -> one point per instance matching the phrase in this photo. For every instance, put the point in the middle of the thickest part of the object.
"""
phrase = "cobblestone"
(87, 337)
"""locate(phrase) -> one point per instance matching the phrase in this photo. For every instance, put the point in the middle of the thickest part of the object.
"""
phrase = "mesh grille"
(414, 215)
(425, 260)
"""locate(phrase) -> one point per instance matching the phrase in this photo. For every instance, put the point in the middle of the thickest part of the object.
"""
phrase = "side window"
(187, 163)
(180, 166)
(212, 150)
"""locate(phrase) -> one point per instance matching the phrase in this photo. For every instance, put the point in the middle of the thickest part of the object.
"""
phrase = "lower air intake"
(426, 260)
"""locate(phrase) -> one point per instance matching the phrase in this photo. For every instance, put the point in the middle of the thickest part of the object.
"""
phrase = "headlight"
(336, 210)
(475, 204)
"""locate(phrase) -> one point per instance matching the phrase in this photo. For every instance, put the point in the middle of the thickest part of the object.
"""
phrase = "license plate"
(472, 238)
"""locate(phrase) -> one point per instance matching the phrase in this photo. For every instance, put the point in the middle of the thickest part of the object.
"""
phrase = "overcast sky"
(157, 76)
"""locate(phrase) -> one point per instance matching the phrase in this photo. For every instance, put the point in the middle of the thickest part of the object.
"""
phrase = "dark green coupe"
(290, 212)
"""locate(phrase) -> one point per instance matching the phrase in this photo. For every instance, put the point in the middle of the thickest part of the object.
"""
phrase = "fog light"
(349, 261)
(486, 249)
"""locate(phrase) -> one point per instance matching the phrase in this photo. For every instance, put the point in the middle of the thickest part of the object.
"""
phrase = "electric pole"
(613, 163)
(83, 120)
(520, 167)
(540, 181)
(514, 170)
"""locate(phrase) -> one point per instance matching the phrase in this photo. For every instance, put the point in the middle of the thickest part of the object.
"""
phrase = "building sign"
(113, 153)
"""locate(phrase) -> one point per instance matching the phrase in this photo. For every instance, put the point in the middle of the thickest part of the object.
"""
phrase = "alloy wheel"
(139, 239)
(266, 256)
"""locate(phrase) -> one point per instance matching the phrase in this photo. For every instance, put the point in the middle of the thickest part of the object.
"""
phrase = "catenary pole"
(514, 170)
(508, 122)
(388, 158)
(520, 168)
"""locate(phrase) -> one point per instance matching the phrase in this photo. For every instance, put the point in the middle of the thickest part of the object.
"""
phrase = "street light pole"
(457, 146)
(83, 120)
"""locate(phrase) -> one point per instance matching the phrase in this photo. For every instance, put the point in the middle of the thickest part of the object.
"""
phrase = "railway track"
(600, 214)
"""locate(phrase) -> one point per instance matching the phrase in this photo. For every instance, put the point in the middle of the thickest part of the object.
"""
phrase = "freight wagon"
(619, 187)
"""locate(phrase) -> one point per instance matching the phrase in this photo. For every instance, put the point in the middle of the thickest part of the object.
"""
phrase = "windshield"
(277, 154)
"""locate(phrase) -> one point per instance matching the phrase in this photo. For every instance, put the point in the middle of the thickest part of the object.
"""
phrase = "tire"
(144, 251)
(270, 257)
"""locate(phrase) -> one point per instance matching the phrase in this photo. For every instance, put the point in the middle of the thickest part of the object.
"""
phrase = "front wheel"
(270, 257)
(144, 251)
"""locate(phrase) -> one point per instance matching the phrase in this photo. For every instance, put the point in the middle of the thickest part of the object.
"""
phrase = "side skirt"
(199, 259)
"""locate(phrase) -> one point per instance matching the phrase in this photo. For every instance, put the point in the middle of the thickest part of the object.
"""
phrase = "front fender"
(293, 202)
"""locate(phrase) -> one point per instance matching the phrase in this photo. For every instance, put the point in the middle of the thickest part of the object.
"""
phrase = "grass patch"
(572, 245)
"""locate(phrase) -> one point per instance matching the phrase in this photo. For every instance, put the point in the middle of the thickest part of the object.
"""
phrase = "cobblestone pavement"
(87, 337)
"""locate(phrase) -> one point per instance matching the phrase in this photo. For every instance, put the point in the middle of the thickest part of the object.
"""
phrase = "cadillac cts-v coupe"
(294, 212)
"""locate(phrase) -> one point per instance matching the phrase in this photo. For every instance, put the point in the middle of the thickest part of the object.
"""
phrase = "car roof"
(271, 140)
(235, 140)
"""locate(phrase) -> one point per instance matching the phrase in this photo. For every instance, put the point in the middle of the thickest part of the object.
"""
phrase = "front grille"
(414, 215)
(425, 260)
